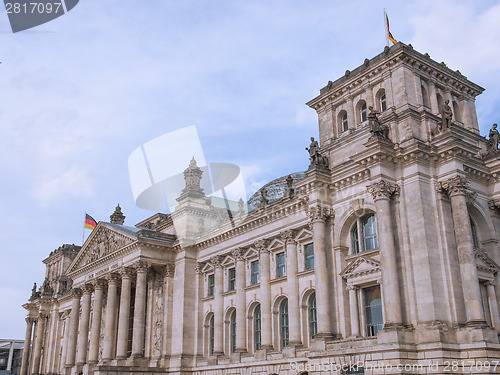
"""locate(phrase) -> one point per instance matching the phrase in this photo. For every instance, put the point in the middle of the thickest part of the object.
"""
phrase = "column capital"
(216, 261)
(142, 266)
(238, 253)
(494, 204)
(30, 320)
(199, 268)
(113, 278)
(169, 270)
(489, 283)
(76, 292)
(99, 283)
(383, 190)
(127, 273)
(42, 316)
(320, 213)
(457, 185)
(352, 287)
(261, 246)
(288, 236)
(88, 288)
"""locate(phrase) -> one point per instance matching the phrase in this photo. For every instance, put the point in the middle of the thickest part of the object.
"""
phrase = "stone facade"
(384, 253)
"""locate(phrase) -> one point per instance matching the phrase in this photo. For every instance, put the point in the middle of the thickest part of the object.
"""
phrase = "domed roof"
(274, 190)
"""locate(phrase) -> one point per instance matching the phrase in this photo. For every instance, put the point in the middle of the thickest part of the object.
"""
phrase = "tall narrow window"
(254, 268)
(364, 114)
(233, 331)
(231, 277)
(257, 328)
(211, 335)
(313, 318)
(383, 102)
(365, 229)
(345, 123)
(284, 323)
(475, 238)
(211, 283)
(309, 256)
(280, 265)
(369, 232)
(373, 310)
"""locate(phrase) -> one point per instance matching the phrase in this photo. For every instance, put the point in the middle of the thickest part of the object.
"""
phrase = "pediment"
(304, 235)
(228, 261)
(360, 266)
(484, 262)
(251, 252)
(103, 241)
(276, 245)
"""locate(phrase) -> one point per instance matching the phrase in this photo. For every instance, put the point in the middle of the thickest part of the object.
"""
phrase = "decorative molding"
(352, 271)
(383, 190)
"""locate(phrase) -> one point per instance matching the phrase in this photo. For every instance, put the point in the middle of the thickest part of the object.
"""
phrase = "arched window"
(475, 238)
(456, 110)
(383, 102)
(440, 101)
(284, 323)
(344, 123)
(257, 328)
(211, 336)
(233, 331)
(364, 234)
(313, 318)
(363, 112)
(425, 97)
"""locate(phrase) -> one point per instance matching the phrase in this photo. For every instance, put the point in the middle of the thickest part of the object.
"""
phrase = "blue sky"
(80, 93)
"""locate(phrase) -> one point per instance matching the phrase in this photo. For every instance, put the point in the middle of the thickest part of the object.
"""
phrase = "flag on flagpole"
(389, 35)
(90, 222)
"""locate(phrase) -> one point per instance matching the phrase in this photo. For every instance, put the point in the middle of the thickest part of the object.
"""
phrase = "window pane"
(255, 272)
(345, 124)
(233, 331)
(313, 320)
(256, 321)
(309, 256)
(231, 279)
(369, 231)
(280, 265)
(383, 102)
(373, 310)
(211, 283)
(211, 334)
(363, 112)
(284, 323)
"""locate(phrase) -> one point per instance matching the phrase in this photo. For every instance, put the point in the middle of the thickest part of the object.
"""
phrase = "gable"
(102, 241)
(484, 262)
(360, 266)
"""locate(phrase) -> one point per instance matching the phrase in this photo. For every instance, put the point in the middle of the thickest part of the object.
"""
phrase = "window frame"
(257, 327)
(232, 327)
(359, 237)
(309, 257)
(383, 102)
(372, 328)
(363, 112)
(313, 315)
(284, 322)
(254, 274)
(344, 122)
(231, 278)
(280, 265)
(210, 285)
(211, 335)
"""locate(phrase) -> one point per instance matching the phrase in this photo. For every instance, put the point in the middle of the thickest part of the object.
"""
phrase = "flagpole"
(386, 29)
(83, 233)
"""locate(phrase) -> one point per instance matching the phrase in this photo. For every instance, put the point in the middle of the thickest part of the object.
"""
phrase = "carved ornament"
(383, 190)
(457, 185)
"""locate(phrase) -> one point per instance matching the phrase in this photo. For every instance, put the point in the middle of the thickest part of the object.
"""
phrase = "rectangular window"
(309, 256)
(231, 275)
(280, 265)
(211, 283)
(254, 268)
(373, 310)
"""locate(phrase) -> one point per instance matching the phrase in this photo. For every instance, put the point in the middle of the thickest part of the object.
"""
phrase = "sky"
(80, 93)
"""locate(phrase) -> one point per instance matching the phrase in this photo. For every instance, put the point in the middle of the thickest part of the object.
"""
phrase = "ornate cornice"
(383, 190)
(457, 185)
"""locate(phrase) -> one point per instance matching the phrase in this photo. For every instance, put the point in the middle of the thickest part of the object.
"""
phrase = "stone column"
(218, 306)
(110, 319)
(433, 98)
(95, 332)
(241, 337)
(493, 304)
(456, 187)
(83, 336)
(140, 310)
(351, 118)
(73, 327)
(319, 216)
(293, 287)
(354, 310)
(123, 319)
(370, 100)
(382, 193)
(265, 295)
(167, 308)
(11, 356)
(66, 316)
(40, 338)
(27, 346)
(52, 353)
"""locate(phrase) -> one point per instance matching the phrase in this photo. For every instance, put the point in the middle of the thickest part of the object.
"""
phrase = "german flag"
(389, 35)
(90, 222)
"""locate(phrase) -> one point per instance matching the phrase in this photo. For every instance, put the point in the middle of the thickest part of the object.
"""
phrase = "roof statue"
(317, 160)
(492, 144)
(117, 217)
